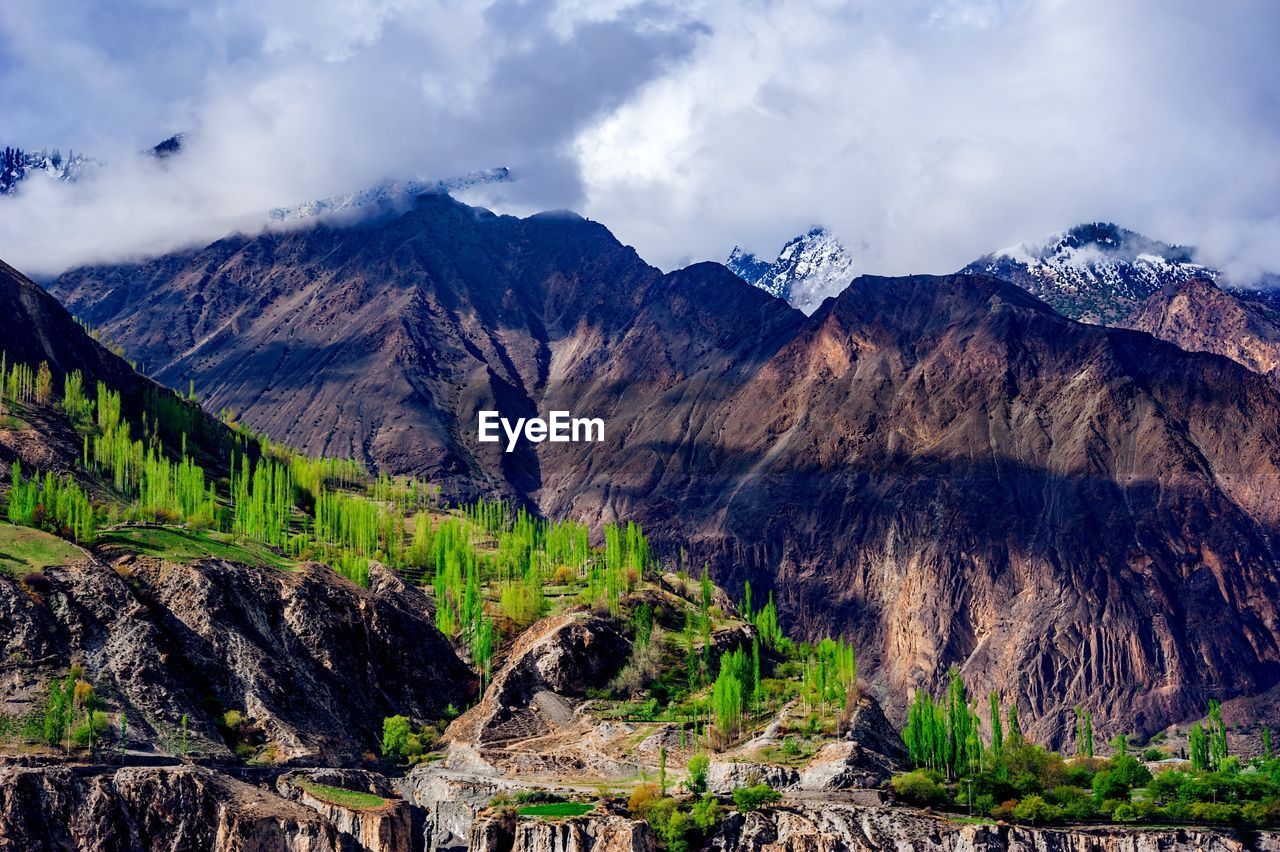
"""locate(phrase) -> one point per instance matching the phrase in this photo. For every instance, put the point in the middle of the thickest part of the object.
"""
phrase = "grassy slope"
(23, 549)
(351, 799)
(182, 545)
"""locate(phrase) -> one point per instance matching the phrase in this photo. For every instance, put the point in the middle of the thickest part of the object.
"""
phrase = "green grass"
(350, 799)
(556, 809)
(183, 545)
(968, 820)
(23, 549)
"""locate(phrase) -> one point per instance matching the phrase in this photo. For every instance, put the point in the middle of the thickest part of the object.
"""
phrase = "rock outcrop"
(558, 658)
(389, 827)
(868, 755)
(604, 833)
(312, 660)
(1198, 316)
(833, 827)
(157, 810)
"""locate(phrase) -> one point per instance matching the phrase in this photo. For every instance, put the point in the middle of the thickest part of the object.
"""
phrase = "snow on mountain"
(809, 268)
(17, 165)
(1096, 272)
(390, 192)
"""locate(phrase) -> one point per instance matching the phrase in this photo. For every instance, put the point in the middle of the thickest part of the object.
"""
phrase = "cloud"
(286, 102)
(922, 133)
(925, 134)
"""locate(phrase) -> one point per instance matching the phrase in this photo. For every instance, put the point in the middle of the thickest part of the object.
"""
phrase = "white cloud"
(927, 134)
(922, 133)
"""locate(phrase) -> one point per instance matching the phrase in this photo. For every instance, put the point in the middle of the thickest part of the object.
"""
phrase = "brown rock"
(1199, 317)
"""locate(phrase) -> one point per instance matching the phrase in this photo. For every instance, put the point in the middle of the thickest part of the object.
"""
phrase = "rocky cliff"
(191, 808)
(832, 827)
(1198, 316)
(312, 661)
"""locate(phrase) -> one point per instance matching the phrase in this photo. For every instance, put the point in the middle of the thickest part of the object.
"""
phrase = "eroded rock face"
(313, 660)
(868, 755)
(560, 656)
(723, 777)
(606, 833)
(1199, 317)
(449, 803)
(156, 810)
(833, 827)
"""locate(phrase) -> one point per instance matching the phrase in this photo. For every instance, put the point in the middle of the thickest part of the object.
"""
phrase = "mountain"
(809, 268)
(941, 468)
(17, 165)
(1095, 272)
(1199, 317)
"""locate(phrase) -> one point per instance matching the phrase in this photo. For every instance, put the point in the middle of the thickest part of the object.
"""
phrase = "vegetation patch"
(182, 545)
(24, 549)
(556, 809)
(343, 798)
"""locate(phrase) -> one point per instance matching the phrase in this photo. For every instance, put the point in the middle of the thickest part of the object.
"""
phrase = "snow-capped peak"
(1096, 271)
(808, 269)
(392, 191)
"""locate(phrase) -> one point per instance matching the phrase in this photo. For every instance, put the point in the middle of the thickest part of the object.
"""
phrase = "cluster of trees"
(1208, 748)
(20, 384)
(57, 502)
(262, 499)
(70, 699)
(944, 733)
(1008, 777)
(765, 620)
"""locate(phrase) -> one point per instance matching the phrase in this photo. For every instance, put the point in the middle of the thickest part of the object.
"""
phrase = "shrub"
(1152, 755)
(642, 799)
(81, 734)
(1005, 809)
(750, 799)
(1076, 802)
(919, 787)
(1124, 812)
(1213, 812)
(707, 813)
(1034, 809)
(697, 780)
(395, 738)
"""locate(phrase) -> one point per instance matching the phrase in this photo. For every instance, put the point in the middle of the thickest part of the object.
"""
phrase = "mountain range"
(944, 469)
(1096, 272)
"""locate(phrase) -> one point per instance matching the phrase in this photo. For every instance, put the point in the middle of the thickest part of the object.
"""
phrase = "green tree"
(696, 783)
(1198, 747)
(1015, 729)
(748, 799)
(395, 738)
(1218, 749)
(997, 729)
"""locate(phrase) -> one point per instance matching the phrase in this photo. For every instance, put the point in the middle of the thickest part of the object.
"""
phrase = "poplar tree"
(1198, 747)
(1015, 730)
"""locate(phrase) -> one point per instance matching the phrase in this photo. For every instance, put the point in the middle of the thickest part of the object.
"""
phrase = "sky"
(923, 134)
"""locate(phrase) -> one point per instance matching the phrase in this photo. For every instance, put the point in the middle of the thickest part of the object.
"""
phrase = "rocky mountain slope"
(311, 661)
(1198, 316)
(915, 465)
(135, 808)
(808, 269)
(1096, 272)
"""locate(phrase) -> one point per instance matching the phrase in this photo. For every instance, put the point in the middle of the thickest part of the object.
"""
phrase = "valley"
(288, 651)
